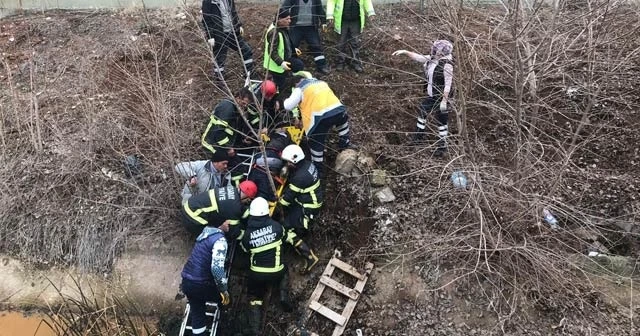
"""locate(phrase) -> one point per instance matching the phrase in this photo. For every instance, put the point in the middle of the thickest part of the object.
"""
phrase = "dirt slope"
(85, 89)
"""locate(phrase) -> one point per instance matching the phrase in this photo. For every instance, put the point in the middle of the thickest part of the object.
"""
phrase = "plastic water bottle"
(550, 219)
(459, 180)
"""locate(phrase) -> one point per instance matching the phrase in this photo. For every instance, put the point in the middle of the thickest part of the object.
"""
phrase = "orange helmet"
(248, 188)
(268, 89)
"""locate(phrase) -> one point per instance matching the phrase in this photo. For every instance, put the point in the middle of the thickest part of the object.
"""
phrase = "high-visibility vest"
(334, 11)
(268, 63)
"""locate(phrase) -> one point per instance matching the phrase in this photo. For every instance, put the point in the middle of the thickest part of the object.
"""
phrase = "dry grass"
(524, 138)
(527, 141)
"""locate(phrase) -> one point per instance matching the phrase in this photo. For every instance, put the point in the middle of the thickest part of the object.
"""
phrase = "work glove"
(212, 42)
(286, 65)
(225, 298)
(298, 52)
(443, 106)
(399, 52)
(241, 32)
(329, 23)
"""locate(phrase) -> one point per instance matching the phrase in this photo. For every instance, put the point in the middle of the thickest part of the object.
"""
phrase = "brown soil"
(88, 88)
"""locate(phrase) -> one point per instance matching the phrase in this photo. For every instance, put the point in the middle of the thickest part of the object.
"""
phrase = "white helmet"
(293, 154)
(259, 207)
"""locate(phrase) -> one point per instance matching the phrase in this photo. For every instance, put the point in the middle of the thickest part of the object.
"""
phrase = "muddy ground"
(84, 89)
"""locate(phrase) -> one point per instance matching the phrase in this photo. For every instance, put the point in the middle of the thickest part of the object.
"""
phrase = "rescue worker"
(263, 241)
(438, 71)
(224, 31)
(320, 111)
(301, 201)
(204, 277)
(266, 107)
(349, 22)
(307, 17)
(279, 57)
(221, 208)
(224, 123)
(203, 175)
(278, 140)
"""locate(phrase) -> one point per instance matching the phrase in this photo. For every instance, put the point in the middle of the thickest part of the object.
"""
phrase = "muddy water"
(15, 324)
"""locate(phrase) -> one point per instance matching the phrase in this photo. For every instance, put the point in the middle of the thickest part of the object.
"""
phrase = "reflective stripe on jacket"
(263, 240)
(304, 187)
(220, 131)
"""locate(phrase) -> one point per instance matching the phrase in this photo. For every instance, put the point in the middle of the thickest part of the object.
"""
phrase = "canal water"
(19, 324)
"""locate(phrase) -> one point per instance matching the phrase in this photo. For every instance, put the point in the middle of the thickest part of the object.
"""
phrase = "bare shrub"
(553, 84)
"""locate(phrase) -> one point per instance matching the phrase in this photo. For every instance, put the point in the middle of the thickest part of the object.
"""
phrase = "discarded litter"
(550, 219)
(459, 180)
(132, 166)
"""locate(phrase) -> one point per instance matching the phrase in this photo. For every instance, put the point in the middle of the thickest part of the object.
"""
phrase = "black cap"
(283, 12)
(219, 156)
(296, 64)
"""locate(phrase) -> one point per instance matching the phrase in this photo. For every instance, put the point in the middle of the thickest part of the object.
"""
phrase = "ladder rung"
(327, 312)
(338, 287)
(347, 268)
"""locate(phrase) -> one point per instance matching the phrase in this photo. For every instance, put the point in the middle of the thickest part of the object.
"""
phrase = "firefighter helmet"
(259, 207)
(293, 154)
(268, 89)
(248, 188)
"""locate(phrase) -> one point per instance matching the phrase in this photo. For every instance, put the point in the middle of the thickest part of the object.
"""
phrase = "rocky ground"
(87, 88)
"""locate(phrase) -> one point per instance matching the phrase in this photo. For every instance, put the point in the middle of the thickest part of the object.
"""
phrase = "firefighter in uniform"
(224, 123)
(320, 111)
(204, 277)
(438, 71)
(301, 200)
(266, 107)
(221, 208)
(263, 241)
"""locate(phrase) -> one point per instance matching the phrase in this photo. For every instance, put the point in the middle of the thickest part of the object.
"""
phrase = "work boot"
(417, 139)
(254, 320)
(219, 83)
(324, 70)
(349, 145)
(441, 149)
(310, 258)
(285, 301)
(440, 152)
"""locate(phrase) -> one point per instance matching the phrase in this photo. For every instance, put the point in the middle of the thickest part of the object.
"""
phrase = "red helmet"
(249, 188)
(268, 89)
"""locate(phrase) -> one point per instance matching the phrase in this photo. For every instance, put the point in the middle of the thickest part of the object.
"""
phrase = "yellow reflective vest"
(334, 11)
(268, 63)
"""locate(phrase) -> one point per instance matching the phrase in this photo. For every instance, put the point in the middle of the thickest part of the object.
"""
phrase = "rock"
(378, 177)
(345, 161)
(620, 265)
(385, 195)
(365, 163)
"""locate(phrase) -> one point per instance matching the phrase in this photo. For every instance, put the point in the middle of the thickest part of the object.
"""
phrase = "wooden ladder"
(352, 294)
